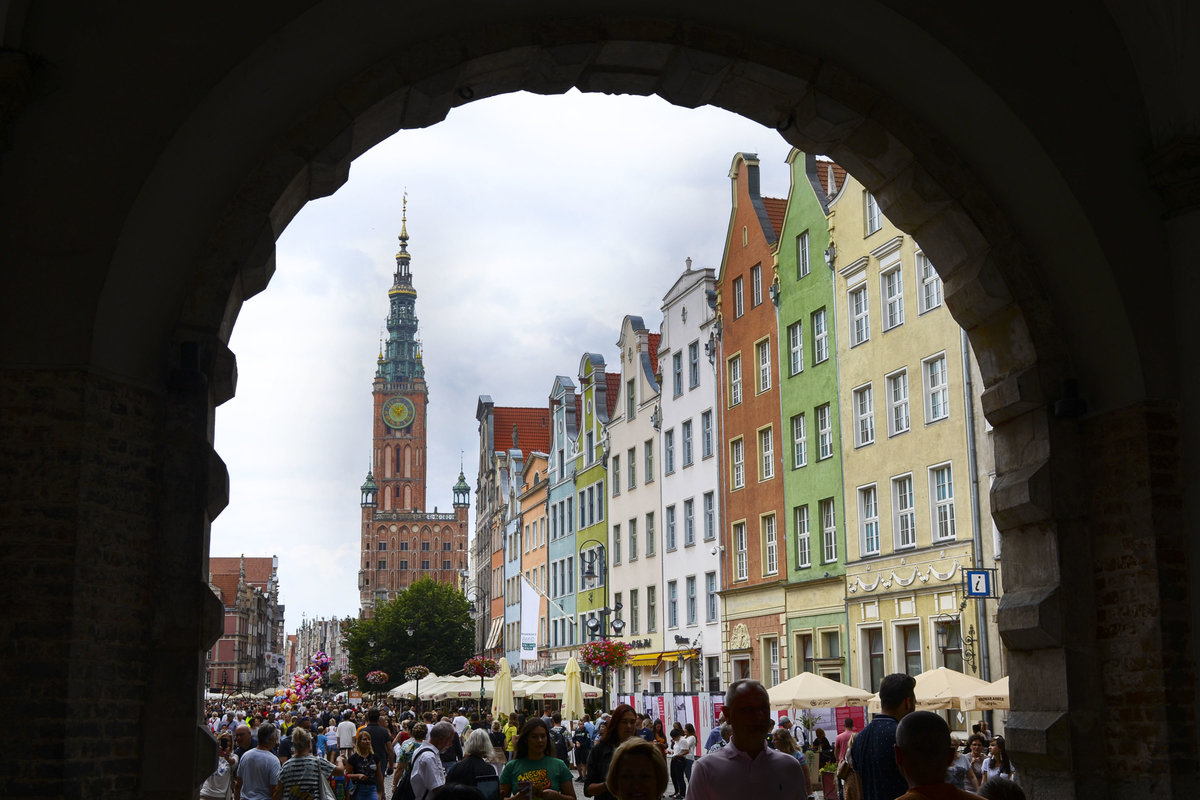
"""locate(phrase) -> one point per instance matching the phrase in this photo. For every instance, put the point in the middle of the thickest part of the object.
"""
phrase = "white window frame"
(693, 365)
(795, 333)
(739, 297)
(631, 457)
(824, 432)
(689, 522)
(689, 593)
(710, 516)
(892, 291)
(685, 437)
(820, 323)
(616, 474)
(930, 296)
(828, 531)
(706, 434)
(616, 554)
(737, 462)
(799, 441)
(904, 512)
(863, 401)
(802, 261)
(741, 556)
(669, 451)
(770, 661)
(766, 454)
(633, 548)
(872, 215)
(735, 380)
(858, 303)
(941, 502)
(868, 519)
(803, 537)
(677, 373)
(712, 611)
(670, 523)
(756, 294)
(770, 536)
(936, 379)
(899, 418)
(672, 604)
(762, 356)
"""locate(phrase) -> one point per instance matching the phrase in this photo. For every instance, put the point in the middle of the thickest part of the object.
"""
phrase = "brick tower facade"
(401, 541)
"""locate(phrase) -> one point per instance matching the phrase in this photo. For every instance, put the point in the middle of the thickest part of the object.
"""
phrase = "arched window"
(407, 497)
(400, 472)
(387, 462)
(407, 461)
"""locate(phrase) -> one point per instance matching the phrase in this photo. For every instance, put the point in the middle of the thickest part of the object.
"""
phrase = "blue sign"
(979, 582)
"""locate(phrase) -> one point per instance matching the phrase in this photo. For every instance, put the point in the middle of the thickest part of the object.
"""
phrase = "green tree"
(443, 633)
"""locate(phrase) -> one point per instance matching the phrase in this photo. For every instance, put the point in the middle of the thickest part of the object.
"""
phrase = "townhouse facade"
(565, 408)
(912, 473)
(691, 554)
(752, 492)
(634, 505)
(811, 414)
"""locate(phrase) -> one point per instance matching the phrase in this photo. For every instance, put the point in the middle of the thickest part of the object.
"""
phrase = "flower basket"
(416, 673)
(480, 667)
(377, 677)
(349, 679)
(605, 653)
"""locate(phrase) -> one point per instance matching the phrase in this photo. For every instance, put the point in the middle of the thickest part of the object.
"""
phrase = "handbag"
(846, 767)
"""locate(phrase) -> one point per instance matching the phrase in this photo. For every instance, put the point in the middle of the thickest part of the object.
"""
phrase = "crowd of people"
(326, 752)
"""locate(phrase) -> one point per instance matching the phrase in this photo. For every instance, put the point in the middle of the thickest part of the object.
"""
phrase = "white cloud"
(536, 225)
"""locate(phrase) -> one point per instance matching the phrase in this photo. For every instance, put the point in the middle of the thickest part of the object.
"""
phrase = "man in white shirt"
(428, 774)
(461, 723)
(345, 734)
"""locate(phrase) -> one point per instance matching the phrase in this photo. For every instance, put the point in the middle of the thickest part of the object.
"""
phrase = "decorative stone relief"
(739, 638)
(856, 583)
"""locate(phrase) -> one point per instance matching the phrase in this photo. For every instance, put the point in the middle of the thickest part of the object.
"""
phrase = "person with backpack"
(560, 740)
(475, 768)
(425, 772)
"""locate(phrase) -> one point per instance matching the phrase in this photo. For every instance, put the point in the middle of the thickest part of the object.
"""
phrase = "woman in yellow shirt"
(510, 736)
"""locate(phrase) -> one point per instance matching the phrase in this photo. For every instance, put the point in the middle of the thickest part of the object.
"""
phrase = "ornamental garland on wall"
(605, 653)
(480, 667)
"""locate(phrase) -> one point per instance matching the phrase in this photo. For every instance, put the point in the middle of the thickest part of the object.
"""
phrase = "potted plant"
(829, 779)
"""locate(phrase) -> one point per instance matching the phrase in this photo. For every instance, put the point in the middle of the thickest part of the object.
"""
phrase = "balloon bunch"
(307, 680)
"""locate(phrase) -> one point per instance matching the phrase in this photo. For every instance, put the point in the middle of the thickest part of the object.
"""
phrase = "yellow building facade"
(915, 486)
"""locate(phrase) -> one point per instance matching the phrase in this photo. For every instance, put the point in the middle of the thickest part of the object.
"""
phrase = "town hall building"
(401, 540)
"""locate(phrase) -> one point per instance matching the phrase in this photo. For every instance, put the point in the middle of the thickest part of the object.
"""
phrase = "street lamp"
(593, 565)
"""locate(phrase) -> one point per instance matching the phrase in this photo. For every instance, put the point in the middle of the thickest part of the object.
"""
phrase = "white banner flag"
(531, 605)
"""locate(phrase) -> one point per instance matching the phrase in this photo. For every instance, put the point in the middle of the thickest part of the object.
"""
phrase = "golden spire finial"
(404, 218)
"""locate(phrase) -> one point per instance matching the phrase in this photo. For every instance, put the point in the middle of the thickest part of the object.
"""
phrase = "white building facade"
(691, 552)
(635, 507)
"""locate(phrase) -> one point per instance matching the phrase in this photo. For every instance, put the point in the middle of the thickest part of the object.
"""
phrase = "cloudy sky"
(536, 224)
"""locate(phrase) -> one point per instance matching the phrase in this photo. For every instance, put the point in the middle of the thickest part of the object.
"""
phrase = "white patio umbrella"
(408, 689)
(808, 690)
(554, 687)
(993, 696)
(572, 707)
(502, 690)
(939, 689)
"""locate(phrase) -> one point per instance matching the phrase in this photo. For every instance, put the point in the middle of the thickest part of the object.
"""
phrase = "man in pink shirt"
(746, 767)
(843, 740)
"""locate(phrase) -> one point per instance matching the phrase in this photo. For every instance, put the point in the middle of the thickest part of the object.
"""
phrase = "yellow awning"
(644, 660)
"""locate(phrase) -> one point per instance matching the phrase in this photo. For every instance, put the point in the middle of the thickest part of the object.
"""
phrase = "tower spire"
(401, 355)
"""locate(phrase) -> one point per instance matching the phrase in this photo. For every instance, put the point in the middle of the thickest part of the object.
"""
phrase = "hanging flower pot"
(605, 653)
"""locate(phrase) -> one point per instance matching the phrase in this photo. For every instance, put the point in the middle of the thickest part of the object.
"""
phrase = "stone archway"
(254, 157)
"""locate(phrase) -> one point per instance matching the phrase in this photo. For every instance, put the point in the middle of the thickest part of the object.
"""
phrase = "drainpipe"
(985, 669)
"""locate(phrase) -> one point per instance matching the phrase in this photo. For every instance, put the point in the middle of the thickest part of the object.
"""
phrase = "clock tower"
(401, 539)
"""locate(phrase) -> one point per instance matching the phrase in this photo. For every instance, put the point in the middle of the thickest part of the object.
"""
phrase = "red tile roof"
(612, 382)
(533, 428)
(775, 210)
(824, 168)
(654, 339)
(258, 570)
(226, 588)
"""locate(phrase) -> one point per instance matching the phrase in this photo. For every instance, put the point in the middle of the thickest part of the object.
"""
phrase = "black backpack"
(561, 746)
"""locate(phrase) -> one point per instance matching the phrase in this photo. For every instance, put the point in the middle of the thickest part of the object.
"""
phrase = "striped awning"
(493, 639)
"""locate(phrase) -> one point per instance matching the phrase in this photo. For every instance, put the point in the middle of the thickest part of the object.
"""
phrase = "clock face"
(398, 412)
